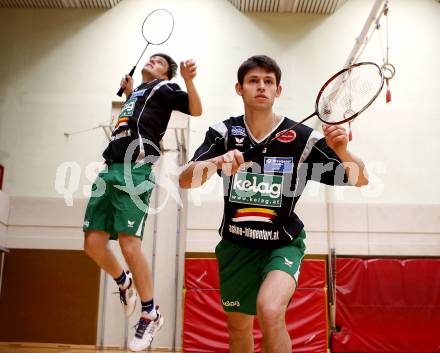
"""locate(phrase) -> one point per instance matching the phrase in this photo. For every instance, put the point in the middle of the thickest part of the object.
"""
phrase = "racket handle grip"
(252, 152)
(122, 89)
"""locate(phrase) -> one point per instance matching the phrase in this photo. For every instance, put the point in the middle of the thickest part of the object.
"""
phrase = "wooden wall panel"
(49, 296)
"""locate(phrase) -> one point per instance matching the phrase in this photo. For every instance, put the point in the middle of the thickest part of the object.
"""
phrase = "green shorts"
(242, 270)
(119, 200)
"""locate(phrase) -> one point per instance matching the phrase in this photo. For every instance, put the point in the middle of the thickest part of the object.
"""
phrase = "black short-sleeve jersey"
(145, 114)
(259, 202)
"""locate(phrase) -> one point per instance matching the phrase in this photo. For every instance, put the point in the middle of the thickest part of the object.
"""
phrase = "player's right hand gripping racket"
(156, 29)
(341, 99)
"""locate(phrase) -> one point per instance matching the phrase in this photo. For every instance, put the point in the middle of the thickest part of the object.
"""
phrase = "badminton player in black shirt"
(262, 243)
(118, 206)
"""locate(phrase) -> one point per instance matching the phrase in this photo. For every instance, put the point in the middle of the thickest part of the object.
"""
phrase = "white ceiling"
(295, 6)
(59, 4)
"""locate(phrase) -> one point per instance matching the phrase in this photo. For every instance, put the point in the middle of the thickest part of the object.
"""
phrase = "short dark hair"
(172, 66)
(261, 61)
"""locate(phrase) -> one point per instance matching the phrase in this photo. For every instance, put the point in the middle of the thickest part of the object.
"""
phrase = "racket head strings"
(156, 29)
(158, 26)
(349, 92)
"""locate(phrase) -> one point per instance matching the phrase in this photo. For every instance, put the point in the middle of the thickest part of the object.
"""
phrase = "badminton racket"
(156, 29)
(340, 100)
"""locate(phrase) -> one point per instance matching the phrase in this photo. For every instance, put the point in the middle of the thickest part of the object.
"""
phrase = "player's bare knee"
(130, 247)
(270, 313)
(88, 248)
(238, 330)
(92, 244)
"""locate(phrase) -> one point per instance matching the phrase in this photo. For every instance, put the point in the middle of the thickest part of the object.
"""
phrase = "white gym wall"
(60, 70)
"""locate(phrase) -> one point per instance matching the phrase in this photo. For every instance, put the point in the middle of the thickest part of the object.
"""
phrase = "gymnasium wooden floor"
(4, 349)
(23, 348)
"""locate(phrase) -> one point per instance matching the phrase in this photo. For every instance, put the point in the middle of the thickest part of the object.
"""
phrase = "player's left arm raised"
(337, 139)
(188, 71)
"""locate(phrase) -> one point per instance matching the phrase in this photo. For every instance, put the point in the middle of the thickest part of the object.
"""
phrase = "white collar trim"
(267, 135)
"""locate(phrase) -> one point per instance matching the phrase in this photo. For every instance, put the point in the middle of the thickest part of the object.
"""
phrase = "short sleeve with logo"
(215, 143)
(146, 114)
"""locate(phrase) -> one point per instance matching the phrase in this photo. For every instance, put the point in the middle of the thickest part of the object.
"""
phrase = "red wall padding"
(202, 274)
(204, 322)
(204, 327)
(387, 305)
(205, 330)
(313, 274)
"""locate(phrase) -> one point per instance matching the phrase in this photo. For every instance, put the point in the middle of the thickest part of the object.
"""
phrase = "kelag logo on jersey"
(128, 108)
(238, 131)
(278, 164)
(257, 189)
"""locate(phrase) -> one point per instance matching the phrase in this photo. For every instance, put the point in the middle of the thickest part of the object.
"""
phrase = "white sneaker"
(145, 331)
(128, 296)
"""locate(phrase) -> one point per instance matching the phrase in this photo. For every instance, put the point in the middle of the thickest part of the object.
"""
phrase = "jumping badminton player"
(262, 242)
(112, 212)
